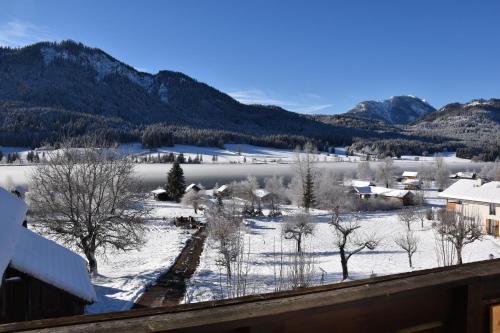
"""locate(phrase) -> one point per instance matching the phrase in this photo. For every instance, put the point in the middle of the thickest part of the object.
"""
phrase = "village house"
(475, 199)
(38, 278)
(194, 187)
(410, 175)
(411, 184)
(222, 190)
(463, 175)
(159, 194)
(403, 196)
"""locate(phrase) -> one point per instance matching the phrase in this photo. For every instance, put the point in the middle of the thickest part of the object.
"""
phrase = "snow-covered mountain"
(475, 121)
(395, 110)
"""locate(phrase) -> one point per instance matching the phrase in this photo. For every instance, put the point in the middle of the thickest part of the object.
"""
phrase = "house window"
(492, 209)
(492, 227)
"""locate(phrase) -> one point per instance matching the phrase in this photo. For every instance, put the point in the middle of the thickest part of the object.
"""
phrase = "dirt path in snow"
(170, 287)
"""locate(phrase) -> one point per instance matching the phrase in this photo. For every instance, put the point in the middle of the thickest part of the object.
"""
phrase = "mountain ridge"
(84, 90)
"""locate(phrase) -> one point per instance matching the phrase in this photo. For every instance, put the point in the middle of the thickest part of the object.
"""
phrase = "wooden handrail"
(257, 309)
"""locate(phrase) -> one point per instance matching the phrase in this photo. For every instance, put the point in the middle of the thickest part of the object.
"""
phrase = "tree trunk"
(299, 244)
(343, 261)
(459, 256)
(409, 260)
(92, 262)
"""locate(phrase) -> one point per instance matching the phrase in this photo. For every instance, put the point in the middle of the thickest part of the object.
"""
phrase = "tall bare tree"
(348, 240)
(421, 216)
(84, 197)
(226, 234)
(407, 216)
(409, 243)
(385, 172)
(245, 190)
(298, 227)
(329, 194)
(442, 173)
(274, 185)
(364, 170)
(459, 228)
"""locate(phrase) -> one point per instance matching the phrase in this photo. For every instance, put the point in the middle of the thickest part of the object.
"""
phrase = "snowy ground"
(123, 276)
(264, 237)
(236, 153)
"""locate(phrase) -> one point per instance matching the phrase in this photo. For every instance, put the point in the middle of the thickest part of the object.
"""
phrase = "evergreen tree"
(308, 190)
(176, 184)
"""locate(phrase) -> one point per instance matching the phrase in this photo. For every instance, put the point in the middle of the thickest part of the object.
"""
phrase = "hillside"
(476, 121)
(82, 81)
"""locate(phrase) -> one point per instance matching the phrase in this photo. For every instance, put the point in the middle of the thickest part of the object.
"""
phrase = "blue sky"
(307, 56)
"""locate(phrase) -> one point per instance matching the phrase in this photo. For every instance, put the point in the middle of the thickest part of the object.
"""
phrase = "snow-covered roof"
(360, 183)
(411, 182)
(467, 189)
(193, 186)
(410, 174)
(363, 189)
(383, 191)
(260, 193)
(53, 264)
(159, 191)
(222, 188)
(12, 214)
(464, 175)
(393, 193)
(36, 256)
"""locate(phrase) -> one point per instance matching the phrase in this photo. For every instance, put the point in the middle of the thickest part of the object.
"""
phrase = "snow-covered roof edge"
(13, 211)
(53, 264)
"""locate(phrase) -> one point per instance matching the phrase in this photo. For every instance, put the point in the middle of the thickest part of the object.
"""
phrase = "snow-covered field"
(265, 240)
(123, 276)
(237, 153)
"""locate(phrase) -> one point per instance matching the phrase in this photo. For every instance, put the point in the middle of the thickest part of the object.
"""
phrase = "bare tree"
(364, 170)
(407, 216)
(301, 270)
(245, 190)
(83, 197)
(194, 199)
(385, 172)
(409, 243)
(348, 240)
(276, 189)
(445, 251)
(491, 171)
(329, 194)
(297, 227)
(426, 174)
(421, 215)
(442, 173)
(460, 229)
(225, 232)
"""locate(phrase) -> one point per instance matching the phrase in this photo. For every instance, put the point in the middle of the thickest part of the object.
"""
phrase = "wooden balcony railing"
(453, 299)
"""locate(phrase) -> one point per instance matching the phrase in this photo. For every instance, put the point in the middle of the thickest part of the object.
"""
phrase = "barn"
(39, 278)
